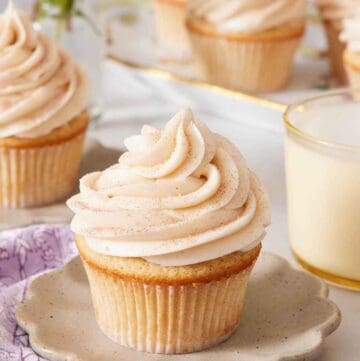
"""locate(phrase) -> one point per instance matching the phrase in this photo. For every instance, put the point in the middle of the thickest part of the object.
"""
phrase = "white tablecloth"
(133, 98)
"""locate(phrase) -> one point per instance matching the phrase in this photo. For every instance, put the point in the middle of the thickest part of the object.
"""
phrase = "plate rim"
(322, 330)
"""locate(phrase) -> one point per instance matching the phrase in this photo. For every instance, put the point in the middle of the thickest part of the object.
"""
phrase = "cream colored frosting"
(41, 88)
(179, 196)
(351, 32)
(337, 10)
(248, 16)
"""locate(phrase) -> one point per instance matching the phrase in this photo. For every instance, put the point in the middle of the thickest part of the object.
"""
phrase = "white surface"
(286, 317)
(134, 98)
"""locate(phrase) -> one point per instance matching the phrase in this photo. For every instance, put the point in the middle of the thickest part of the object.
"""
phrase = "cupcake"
(333, 13)
(168, 237)
(246, 45)
(171, 32)
(351, 56)
(43, 118)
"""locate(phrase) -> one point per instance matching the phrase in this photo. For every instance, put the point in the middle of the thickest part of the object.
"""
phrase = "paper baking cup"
(245, 65)
(168, 319)
(171, 32)
(39, 175)
(335, 52)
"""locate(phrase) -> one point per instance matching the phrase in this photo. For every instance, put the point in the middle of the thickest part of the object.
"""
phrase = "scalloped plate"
(286, 317)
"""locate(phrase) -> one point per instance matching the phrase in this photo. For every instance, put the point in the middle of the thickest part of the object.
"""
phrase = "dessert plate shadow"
(286, 317)
(95, 157)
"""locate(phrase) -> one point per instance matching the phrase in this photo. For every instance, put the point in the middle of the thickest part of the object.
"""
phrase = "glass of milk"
(322, 157)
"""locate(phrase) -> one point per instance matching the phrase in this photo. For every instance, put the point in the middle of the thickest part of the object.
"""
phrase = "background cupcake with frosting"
(351, 56)
(43, 118)
(333, 13)
(168, 237)
(246, 44)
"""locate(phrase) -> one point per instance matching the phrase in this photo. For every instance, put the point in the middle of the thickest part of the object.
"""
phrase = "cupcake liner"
(171, 31)
(335, 51)
(170, 319)
(253, 66)
(35, 176)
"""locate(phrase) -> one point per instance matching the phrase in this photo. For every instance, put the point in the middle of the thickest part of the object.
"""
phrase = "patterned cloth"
(24, 254)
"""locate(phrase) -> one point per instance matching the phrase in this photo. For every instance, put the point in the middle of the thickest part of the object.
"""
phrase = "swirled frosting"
(351, 32)
(247, 16)
(178, 196)
(337, 10)
(41, 88)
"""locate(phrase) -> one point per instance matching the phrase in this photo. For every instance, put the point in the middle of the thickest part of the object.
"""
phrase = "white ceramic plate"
(286, 317)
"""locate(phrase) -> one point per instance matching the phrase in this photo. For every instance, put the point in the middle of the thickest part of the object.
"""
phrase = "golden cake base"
(335, 280)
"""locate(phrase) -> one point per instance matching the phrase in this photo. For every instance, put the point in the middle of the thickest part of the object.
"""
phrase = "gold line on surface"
(167, 75)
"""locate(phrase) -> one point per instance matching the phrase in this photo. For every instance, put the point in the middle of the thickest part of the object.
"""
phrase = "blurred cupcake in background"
(43, 117)
(333, 13)
(351, 57)
(171, 32)
(246, 45)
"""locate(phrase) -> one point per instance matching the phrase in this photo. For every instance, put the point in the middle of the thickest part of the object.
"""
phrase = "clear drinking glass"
(322, 157)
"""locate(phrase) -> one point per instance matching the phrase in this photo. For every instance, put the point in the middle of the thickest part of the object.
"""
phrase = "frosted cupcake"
(351, 56)
(171, 32)
(168, 237)
(333, 13)
(246, 44)
(43, 119)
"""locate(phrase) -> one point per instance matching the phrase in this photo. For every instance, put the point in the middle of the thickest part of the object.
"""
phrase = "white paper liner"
(253, 66)
(167, 319)
(39, 175)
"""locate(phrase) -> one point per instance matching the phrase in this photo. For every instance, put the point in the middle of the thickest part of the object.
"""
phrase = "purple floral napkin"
(24, 254)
